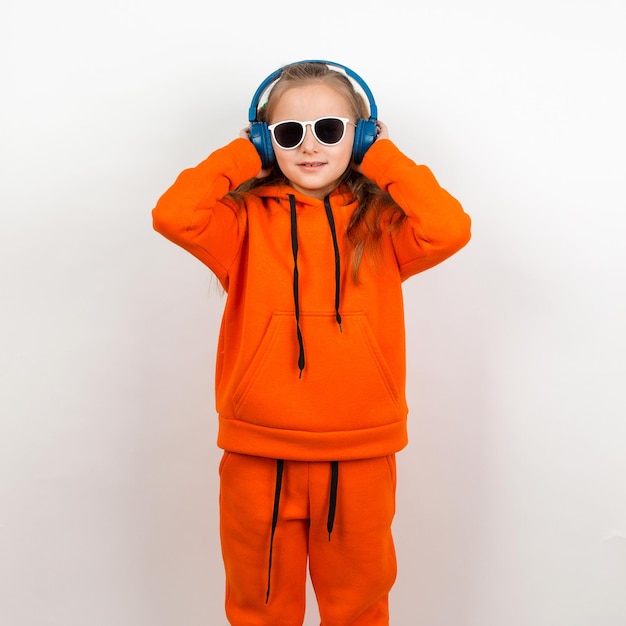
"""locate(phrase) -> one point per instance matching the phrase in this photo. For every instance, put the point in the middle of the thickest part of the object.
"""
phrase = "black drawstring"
(279, 485)
(331, 223)
(294, 249)
(296, 299)
(332, 503)
(332, 509)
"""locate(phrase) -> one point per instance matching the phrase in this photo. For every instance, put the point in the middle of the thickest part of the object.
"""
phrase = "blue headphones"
(364, 136)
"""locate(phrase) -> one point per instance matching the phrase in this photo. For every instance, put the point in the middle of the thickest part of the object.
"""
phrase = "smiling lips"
(311, 164)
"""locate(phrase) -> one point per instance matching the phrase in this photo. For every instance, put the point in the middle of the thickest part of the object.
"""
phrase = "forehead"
(310, 101)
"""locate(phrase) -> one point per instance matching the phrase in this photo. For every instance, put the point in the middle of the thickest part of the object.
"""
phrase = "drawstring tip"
(301, 357)
(338, 318)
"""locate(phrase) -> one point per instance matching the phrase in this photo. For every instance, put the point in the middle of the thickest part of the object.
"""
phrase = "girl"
(311, 220)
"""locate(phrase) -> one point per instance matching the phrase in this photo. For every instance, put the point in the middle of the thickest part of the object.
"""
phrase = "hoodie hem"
(297, 445)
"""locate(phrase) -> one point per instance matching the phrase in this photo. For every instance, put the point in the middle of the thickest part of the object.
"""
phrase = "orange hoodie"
(310, 365)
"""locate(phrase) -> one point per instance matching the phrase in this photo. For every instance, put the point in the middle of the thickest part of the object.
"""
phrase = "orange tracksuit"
(310, 376)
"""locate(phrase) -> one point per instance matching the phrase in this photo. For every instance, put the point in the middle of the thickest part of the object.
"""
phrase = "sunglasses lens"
(329, 130)
(288, 134)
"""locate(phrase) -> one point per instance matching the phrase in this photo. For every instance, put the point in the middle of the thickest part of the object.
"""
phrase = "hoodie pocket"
(346, 383)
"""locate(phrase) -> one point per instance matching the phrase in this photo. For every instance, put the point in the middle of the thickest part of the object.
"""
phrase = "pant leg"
(353, 573)
(247, 486)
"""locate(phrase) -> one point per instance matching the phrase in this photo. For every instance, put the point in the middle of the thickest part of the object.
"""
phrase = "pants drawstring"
(332, 509)
(332, 502)
(279, 485)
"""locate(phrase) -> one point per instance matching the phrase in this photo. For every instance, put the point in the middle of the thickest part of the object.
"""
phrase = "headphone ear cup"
(262, 140)
(364, 137)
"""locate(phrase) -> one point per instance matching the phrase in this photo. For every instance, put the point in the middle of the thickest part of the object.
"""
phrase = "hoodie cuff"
(381, 162)
(241, 161)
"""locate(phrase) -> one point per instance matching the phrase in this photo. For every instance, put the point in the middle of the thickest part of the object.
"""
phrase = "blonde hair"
(376, 211)
(307, 73)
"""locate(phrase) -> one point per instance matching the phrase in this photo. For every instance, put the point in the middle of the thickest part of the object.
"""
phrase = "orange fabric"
(350, 401)
(352, 573)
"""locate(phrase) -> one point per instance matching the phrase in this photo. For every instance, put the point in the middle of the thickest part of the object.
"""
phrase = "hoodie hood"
(340, 195)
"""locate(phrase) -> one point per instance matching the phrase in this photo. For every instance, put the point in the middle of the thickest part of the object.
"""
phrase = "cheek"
(283, 157)
(347, 145)
(346, 152)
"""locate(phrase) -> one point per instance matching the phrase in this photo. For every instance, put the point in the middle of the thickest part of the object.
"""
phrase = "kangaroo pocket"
(346, 383)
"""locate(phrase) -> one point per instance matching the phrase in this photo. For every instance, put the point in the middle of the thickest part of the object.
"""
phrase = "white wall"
(512, 492)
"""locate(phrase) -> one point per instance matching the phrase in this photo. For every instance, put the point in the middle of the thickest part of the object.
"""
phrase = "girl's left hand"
(382, 130)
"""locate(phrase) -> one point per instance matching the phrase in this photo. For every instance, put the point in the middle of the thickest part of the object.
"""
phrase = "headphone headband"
(274, 76)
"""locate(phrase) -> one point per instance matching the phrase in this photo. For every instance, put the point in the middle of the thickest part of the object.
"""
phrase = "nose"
(309, 142)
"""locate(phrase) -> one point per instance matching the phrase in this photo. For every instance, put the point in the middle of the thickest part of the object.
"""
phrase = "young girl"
(311, 220)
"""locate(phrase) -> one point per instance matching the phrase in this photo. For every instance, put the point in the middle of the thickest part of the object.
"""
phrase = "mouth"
(311, 165)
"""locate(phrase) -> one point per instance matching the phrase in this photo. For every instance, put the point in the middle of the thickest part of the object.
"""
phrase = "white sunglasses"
(329, 131)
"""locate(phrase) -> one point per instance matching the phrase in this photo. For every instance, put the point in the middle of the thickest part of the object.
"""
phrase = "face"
(313, 168)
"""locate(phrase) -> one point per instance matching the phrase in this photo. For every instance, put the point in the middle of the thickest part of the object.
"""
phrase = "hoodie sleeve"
(193, 214)
(436, 226)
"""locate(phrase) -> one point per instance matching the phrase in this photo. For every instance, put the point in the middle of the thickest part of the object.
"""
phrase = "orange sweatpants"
(352, 573)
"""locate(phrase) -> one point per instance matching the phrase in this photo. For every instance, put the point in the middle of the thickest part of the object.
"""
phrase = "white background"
(512, 492)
